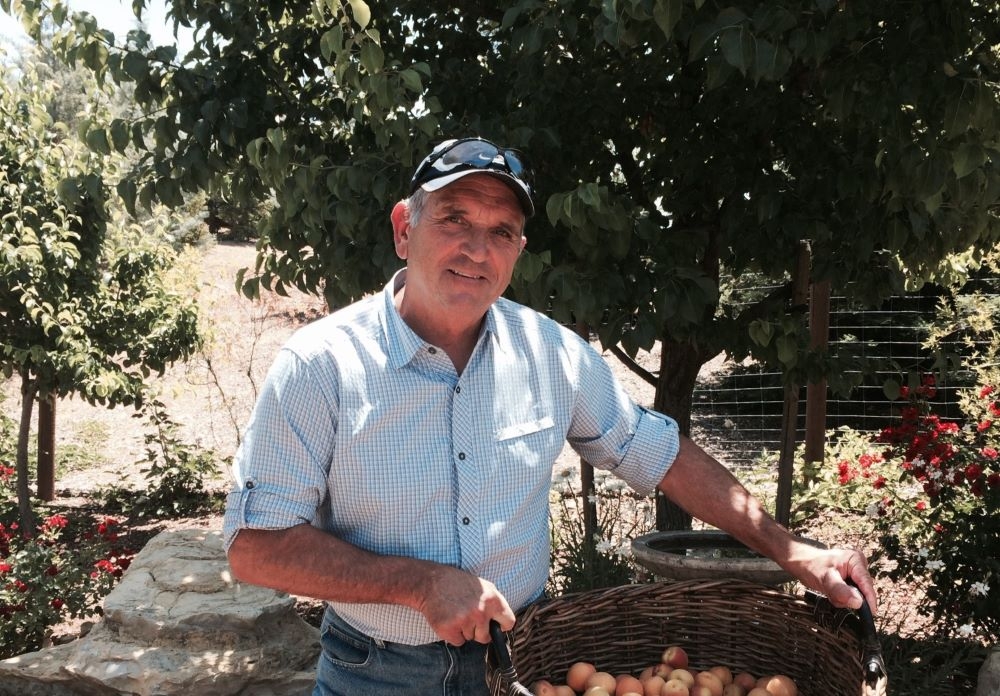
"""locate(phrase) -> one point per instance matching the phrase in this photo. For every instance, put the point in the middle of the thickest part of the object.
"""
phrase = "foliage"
(842, 482)
(951, 532)
(931, 491)
(53, 575)
(675, 141)
(175, 473)
(931, 665)
(579, 563)
(78, 313)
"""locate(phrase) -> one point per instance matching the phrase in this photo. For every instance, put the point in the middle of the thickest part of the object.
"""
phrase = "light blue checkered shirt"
(367, 431)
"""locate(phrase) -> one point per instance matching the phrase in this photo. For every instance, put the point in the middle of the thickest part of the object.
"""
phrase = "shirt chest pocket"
(526, 449)
(523, 429)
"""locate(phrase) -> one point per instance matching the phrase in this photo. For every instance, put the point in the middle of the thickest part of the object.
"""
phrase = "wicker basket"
(742, 625)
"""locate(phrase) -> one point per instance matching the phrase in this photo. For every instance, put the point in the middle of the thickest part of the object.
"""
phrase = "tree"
(679, 145)
(78, 314)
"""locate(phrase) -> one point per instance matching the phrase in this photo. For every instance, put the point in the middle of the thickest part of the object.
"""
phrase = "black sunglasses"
(472, 154)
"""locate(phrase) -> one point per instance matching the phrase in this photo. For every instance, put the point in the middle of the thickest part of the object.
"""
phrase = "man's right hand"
(459, 606)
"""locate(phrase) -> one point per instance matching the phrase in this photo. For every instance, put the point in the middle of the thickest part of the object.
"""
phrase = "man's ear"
(400, 217)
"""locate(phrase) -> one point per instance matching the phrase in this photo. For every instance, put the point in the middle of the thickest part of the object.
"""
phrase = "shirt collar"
(403, 343)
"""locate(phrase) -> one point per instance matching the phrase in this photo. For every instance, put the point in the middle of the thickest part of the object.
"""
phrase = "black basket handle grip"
(503, 659)
(872, 665)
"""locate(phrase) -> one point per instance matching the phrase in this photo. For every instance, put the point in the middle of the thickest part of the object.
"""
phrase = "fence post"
(819, 330)
(587, 472)
(46, 448)
(790, 412)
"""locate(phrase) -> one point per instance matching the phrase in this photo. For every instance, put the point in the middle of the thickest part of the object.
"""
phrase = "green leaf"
(968, 158)
(667, 13)
(331, 42)
(97, 140)
(738, 47)
(701, 39)
(411, 80)
(787, 350)
(372, 57)
(892, 389)
(362, 13)
(119, 134)
(761, 332)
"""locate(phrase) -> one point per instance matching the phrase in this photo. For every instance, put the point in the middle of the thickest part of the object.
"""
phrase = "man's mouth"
(470, 276)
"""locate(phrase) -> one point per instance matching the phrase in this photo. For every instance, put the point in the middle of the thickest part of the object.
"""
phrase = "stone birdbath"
(704, 553)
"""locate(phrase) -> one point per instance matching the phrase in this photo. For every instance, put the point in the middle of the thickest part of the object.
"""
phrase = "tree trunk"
(679, 367)
(29, 388)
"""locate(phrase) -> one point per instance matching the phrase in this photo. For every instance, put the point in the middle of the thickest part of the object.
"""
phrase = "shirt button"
(466, 521)
(250, 485)
(458, 390)
(461, 455)
(432, 350)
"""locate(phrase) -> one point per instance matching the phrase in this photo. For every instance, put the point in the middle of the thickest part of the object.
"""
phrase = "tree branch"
(635, 367)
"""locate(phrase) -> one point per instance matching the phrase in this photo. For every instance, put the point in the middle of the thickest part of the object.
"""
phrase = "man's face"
(461, 253)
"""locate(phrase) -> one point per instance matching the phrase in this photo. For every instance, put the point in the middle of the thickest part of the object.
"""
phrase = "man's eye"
(505, 234)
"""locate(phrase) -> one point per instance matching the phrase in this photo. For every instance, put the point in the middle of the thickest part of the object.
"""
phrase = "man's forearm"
(308, 562)
(707, 490)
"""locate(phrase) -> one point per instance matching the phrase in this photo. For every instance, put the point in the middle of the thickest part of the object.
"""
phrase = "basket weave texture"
(742, 625)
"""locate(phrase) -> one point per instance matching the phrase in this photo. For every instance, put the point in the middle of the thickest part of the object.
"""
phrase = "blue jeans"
(353, 664)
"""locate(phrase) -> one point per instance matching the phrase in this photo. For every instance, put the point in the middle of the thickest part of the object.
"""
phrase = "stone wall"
(178, 623)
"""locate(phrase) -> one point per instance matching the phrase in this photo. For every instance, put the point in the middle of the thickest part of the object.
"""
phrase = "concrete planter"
(700, 554)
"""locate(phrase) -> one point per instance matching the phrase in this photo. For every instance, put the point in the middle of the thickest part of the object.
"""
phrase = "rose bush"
(949, 530)
(61, 571)
(930, 487)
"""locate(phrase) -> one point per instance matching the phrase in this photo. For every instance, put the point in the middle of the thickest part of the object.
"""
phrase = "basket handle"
(503, 658)
(872, 663)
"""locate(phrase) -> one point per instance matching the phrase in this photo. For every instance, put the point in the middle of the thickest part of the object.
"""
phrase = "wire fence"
(739, 408)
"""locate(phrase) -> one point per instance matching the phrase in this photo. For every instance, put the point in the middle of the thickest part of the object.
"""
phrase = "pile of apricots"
(670, 677)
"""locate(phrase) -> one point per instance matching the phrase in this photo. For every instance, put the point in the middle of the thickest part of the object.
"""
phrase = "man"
(398, 462)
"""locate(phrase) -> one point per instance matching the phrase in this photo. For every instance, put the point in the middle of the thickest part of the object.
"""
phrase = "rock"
(177, 623)
(989, 674)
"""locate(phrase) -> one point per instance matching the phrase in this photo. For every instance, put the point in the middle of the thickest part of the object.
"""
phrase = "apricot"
(779, 685)
(662, 670)
(709, 681)
(746, 680)
(564, 690)
(684, 676)
(734, 689)
(543, 688)
(578, 674)
(674, 687)
(675, 656)
(627, 684)
(597, 691)
(653, 686)
(758, 691)
(723, 673)
(602, 679)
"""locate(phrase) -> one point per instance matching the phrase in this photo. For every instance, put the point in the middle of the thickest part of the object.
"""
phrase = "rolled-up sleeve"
(611, 432)
(280, 470)
(649, 452)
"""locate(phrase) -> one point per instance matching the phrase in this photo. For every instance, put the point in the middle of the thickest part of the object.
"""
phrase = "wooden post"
(47, 448)
(790, 412)
(819, 330)
(587, 473)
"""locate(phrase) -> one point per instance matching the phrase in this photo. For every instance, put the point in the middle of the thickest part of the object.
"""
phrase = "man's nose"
(475, 244)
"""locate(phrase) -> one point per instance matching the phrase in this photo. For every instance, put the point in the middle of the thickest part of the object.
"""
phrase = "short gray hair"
(415, 205)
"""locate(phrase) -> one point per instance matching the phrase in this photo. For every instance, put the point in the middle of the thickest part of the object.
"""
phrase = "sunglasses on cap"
(453, 159)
